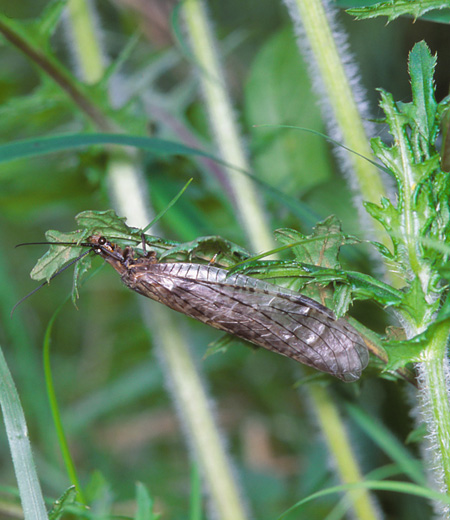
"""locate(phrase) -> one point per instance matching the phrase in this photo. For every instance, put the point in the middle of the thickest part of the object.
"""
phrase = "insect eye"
(101, 241)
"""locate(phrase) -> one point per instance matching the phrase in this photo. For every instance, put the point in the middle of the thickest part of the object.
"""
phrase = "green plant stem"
(196, 413)
(84, 33)
(62, 439)
(410, 224)
(128, 192)
(339, 444)
(434, 393)
(186, 385)
(227, 138)
(421, 301)
(224, 126)
(312, 16)
(56, 72)
(19, 442)
(342, 101)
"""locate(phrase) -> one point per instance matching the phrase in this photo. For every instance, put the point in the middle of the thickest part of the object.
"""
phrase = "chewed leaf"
(57, 256)
(321, 247)
(221, 250)
(106, 223)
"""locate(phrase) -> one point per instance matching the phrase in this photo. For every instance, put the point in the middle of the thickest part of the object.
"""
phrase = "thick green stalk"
(422, 300)
(221, 116)
(434, 375)
(224, 126)
(128, 193)
(340, 99)
(311, 20)
(411, 222)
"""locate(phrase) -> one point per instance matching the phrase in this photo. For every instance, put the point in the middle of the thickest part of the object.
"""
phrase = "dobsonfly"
(264, 314)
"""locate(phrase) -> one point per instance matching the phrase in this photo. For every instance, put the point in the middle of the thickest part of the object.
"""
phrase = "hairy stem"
(336, 79)
(311, 22)
(434, 380)
(224, 126)
(128, 192)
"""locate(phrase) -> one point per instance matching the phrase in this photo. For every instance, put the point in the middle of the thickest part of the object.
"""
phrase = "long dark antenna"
(85, 253)
(74, 244)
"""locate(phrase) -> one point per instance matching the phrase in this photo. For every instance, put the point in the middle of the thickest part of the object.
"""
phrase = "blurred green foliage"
(119, 419)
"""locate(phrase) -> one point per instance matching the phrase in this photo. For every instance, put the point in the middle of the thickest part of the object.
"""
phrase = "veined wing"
(267, 315)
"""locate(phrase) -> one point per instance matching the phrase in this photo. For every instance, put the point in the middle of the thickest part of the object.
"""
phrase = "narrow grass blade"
(19, 443)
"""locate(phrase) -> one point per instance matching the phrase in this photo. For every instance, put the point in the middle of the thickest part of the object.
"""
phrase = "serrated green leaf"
(401, 354)
(321, 248)
(421, 67)
(386, 214)
(106, 223)
(58, 255)
(383, 250)
(363, 287)
(80, 270)
(212, 248)
(416, 304)
(395, 8)
(444, 311)
(342, 300)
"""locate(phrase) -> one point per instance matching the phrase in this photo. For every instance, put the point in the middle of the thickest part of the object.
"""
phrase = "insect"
(269, 316)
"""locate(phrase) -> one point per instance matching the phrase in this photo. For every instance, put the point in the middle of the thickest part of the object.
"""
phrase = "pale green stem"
(338, 442)
(129, 194)
(433, 369)
(85, 34)
(19, 442)
(434, 372)
(341, 99)
(227, 136)
(197, 416)
(224, 126)
(190, 395)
